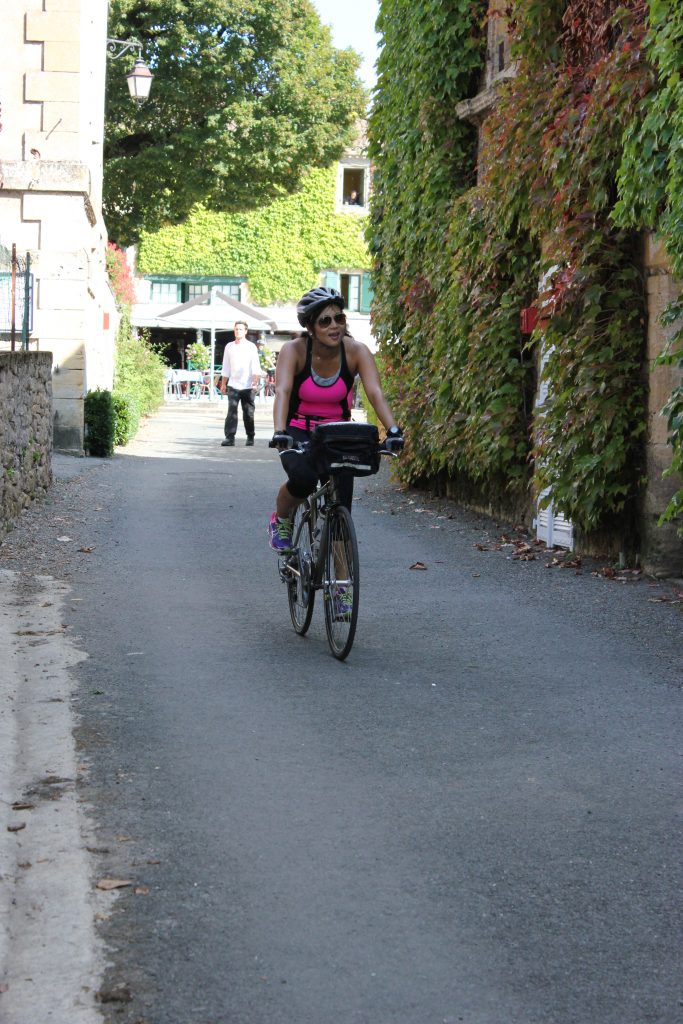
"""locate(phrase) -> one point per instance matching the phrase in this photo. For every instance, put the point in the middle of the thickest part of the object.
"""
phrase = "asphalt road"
(475, 818)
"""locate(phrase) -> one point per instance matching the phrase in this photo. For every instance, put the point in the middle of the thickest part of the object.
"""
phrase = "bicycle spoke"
(300, 592)
(341, 583)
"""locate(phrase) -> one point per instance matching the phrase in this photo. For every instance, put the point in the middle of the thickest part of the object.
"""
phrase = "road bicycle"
(324, 553)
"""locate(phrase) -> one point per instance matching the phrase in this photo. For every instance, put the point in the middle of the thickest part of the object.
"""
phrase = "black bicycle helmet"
(312, 302)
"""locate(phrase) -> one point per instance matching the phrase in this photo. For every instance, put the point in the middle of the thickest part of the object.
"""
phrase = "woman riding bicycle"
(314, 380)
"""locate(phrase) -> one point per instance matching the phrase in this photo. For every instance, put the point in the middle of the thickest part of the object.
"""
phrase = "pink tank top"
(313, 403)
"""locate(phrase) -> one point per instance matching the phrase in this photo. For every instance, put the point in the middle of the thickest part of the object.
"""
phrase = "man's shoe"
(280, 533)
(228, 443)
(250, 442)
(343, 604)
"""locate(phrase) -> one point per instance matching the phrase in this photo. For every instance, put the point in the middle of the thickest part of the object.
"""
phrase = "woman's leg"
(286, 503)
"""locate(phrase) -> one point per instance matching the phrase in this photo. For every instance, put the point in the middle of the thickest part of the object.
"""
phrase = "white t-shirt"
(241, 364)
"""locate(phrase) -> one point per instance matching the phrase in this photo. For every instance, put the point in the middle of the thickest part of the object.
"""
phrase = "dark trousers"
(234, 398)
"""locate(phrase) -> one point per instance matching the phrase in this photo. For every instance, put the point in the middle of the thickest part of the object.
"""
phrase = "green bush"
(139, 370)
(99, 423)
(126, 417)
(198, 356)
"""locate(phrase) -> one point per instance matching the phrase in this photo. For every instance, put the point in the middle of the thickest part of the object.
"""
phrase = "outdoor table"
(179, 383)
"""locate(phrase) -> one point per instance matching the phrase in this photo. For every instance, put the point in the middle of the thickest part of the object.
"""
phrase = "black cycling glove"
(394, 440)
(281, 440)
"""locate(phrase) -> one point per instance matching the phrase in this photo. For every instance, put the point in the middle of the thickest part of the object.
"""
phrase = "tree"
(247, 98)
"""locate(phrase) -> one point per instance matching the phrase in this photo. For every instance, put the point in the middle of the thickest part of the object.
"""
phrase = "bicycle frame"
(318, 505)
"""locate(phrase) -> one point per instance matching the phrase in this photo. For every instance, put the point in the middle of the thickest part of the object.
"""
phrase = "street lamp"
(140, 78)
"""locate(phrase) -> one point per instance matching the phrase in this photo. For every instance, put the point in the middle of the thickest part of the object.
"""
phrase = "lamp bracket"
(126, 45)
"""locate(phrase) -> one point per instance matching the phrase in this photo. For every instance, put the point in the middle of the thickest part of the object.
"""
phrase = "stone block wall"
(52, 81)
(662, 545)
(25, 431)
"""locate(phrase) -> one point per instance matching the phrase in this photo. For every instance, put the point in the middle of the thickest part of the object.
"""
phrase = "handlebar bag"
(349, 446)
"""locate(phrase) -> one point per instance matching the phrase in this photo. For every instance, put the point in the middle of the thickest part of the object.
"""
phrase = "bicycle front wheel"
(341, 582)
(300, 591)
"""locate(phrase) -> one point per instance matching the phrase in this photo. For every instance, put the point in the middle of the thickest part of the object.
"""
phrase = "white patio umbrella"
(215, 311)
(218, 310)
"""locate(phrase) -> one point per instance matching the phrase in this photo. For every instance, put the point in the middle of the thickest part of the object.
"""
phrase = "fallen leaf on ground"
(418, 565)
(116, 994)
(141, 890)
(87, 551)
(38, 632)
(154, 862)
(113, 883)
(20, 806)
(564, 563)
(16, 828)
(123, 839)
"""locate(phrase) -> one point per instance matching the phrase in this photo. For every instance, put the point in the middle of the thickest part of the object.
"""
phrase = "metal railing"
(16, 296)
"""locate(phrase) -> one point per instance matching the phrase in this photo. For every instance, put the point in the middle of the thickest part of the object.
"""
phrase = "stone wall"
(25, 431)
(662, 545)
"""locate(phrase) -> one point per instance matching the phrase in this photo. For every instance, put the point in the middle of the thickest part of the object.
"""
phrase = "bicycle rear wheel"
(300, 591)
(341, 582)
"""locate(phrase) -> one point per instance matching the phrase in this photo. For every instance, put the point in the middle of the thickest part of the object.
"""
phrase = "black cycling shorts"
(302, 476)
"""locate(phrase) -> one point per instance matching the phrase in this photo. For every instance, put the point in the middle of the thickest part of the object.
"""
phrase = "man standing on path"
(239, 376)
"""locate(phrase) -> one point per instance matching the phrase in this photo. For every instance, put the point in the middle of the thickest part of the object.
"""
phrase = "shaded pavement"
(476, 818)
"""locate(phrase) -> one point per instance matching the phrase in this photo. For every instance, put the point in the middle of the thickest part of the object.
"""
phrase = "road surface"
(475, 818)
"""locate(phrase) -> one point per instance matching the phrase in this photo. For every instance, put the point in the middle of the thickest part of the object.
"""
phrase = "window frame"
(183, 283)
(354, 164)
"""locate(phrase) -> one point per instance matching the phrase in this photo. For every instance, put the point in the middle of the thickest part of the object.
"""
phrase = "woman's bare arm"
(369, 375)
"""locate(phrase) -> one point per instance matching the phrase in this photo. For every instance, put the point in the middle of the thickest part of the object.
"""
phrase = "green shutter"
(366, 293)
(331, 279)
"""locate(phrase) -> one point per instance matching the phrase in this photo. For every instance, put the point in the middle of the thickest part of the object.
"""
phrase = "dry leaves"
(17, 827)
(107, 884)
(419, 566)
(523, 552)
(607, 572)
(565, 561)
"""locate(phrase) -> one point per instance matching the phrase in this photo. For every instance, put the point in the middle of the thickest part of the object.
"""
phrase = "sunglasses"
(325, 321)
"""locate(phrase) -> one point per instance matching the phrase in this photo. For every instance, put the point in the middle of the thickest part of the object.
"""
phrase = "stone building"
(661, 548)
(52, 84)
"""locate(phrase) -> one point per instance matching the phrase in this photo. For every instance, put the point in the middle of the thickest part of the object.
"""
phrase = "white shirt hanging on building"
(241, 364)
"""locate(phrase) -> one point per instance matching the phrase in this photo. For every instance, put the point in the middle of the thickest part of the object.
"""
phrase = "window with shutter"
(331, 280)
(349, 286)
(366, 293)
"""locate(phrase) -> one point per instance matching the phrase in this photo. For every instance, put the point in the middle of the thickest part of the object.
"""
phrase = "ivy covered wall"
(456, 260)
(280, 249)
